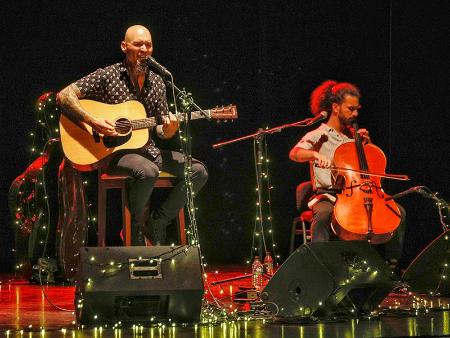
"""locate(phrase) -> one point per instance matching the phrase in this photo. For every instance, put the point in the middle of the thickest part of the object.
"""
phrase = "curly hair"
(329, 92)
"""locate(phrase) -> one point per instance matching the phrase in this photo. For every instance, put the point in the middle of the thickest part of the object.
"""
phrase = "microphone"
(418, 189)
(155, 64)
(319, 117)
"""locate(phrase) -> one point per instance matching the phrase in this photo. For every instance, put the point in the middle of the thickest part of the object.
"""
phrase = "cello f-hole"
(351, 187)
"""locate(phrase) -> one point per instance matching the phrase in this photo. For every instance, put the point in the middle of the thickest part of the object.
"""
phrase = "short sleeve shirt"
(113, 85)
(324, 140)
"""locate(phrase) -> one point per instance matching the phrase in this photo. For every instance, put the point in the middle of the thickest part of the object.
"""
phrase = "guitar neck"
(150, 122)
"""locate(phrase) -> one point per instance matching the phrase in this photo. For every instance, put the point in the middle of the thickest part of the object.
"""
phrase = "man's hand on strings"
(170, 125)
(364, 134)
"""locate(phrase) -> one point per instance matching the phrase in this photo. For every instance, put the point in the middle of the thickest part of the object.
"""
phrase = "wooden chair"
(108, 181)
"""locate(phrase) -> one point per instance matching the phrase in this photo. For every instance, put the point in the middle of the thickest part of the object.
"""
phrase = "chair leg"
(305, 240)
(181, 227)
(126, 217)
(101, 215)
(291, 247)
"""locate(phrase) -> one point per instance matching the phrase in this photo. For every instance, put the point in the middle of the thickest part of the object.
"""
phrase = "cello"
(361, 211)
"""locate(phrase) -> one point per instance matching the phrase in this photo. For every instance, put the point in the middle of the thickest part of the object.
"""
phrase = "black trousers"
(320, 229)
(143, 171)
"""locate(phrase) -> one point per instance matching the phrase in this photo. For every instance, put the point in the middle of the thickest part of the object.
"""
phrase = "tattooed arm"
(68, 99)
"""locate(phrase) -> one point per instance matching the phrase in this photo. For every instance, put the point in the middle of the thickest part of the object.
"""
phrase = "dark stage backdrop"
(266, 57)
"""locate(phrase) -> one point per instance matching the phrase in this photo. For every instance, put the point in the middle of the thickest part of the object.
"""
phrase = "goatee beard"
(344, 121)
(141, 68)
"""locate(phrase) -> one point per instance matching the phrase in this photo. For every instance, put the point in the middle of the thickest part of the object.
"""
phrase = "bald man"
(132, 80)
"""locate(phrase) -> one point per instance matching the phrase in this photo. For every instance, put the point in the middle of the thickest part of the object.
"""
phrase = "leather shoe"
(155, 231)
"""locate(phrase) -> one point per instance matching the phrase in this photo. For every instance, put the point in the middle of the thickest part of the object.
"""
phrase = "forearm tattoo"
(70, 104)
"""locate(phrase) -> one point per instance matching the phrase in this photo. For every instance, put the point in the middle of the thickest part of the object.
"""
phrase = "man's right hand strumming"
(104, 126)
(69, 100)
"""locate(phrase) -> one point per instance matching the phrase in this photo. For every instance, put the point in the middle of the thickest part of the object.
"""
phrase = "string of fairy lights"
(217, 309)
(32, 210)
(263, 225)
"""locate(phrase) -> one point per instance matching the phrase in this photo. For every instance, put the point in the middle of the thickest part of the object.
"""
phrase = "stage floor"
(25, 311)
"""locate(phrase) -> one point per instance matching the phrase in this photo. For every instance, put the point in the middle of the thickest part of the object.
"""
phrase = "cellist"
(341, 101)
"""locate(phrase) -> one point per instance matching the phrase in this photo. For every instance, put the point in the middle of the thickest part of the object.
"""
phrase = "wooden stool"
(108, 181)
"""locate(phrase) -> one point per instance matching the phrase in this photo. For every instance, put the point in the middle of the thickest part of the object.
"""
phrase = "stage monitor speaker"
(429, 272)
(329, 278)
(139, 285)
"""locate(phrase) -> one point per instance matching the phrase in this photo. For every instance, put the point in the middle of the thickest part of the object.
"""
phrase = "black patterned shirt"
(113, 85)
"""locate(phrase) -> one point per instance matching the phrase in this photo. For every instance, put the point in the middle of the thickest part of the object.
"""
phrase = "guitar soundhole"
(123, 126)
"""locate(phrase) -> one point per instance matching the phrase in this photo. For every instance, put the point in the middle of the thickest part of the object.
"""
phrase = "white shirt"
(324, 140)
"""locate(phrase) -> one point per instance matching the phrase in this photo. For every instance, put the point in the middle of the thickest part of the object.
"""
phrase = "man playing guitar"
(133, 80)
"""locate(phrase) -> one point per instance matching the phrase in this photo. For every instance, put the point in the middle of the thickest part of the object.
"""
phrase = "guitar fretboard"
(143, 123)
(151, 121)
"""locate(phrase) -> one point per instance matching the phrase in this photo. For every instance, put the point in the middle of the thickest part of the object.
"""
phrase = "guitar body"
(84, 150)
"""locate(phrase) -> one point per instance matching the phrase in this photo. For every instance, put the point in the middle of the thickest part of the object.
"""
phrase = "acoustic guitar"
(85, 148)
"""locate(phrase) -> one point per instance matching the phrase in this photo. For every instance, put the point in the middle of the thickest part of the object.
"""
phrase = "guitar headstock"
(224, 113)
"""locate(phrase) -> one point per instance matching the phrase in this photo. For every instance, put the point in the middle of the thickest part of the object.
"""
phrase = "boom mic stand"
(260, 148)
(187, 103)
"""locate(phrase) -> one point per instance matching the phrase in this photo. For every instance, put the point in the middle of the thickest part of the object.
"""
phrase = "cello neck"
(359, 148)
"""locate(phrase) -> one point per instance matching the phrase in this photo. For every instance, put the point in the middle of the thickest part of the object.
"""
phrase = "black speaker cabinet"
(429, 272)
(324, 279)
(139, 285)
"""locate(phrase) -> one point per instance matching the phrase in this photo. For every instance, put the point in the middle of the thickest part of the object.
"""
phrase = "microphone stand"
(259, 150)
(441, 204)
(186, 99)
(187, 105)
(261, 132)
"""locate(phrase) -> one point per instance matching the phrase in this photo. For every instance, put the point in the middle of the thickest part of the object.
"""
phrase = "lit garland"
(263, 218)
(210, 313)
(28, 195)
(185, 141)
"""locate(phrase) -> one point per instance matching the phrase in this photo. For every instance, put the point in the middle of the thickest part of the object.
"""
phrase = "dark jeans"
(320, 229)
(143, 172)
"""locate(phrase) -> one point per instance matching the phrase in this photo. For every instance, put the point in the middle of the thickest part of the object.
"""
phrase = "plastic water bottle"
(268, 264)
(257, 273)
